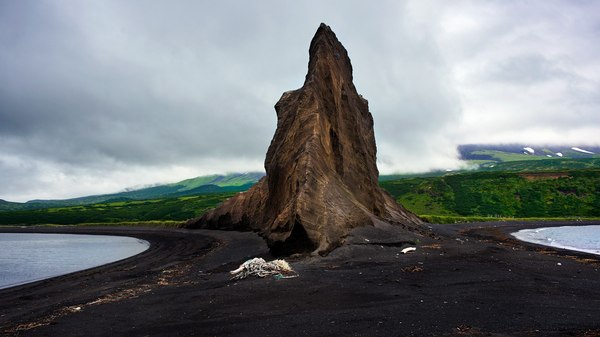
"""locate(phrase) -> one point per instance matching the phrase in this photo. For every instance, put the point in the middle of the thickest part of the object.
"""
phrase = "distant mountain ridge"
(484, 157)
(562, 193)
(234, 182)
(517, 152)
(527, 157)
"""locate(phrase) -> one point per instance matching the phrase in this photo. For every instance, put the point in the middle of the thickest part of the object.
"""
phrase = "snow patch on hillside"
(530, 150)
(581, 150)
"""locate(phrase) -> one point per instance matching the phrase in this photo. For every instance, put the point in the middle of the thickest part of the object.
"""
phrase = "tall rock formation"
(322, 177)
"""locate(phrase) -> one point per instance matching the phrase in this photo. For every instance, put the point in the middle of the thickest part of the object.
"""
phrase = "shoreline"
(59, 269)
(470, 280)
(503, 231)
(529, 235)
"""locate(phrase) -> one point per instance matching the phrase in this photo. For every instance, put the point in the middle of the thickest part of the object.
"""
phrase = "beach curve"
(457, 283)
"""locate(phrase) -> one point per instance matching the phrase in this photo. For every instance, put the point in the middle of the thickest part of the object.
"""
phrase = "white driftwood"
(408, 250)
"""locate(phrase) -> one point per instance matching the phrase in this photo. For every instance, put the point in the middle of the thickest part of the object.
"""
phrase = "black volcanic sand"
(470, 280)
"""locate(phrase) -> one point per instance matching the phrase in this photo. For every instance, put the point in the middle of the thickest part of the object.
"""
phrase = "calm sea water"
(579, 238)
(26, 258)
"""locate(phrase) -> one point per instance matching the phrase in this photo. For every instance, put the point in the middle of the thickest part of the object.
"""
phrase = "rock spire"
(322, 177)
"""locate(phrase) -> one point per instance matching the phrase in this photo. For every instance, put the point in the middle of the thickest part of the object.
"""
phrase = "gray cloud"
(526, 70)
(98, 96)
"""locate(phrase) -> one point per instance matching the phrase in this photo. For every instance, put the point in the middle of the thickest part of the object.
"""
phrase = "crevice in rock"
(297, 242)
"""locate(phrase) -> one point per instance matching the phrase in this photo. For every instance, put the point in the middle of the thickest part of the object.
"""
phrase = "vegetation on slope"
(543, 188)
(502, 194)
(455, 197)
(168, 209)
(542, 165)
(204, 185)
(512, 152)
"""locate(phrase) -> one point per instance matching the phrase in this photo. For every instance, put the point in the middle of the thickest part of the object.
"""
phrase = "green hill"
(507, 182)
(502, 194)
(172, 202)
(499, 156)
(542, 164)
(539, 194)
(168, 209)
(234, 182)
(10, 206)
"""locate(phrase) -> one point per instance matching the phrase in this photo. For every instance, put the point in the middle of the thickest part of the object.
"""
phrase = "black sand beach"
(470, 280)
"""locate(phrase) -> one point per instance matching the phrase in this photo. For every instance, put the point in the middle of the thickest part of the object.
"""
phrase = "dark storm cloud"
(78, 90)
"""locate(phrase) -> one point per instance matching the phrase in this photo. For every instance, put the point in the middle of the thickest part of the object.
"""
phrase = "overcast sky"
(97, 96)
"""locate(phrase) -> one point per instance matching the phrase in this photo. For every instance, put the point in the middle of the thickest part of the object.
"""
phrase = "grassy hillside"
(515, 152)
(540, 187)
(503, 158)
(235, 182)
(527, 164)
(168, 209)
(464, 196)
(521, 157)
(502, 194)
(10, 206)
(233, 179)
(541, 164)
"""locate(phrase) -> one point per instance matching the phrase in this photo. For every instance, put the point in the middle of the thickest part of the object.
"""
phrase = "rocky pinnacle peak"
(327, 55)
(321, 184)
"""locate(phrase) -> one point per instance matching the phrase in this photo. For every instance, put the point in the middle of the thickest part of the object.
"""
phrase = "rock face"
(321, 167)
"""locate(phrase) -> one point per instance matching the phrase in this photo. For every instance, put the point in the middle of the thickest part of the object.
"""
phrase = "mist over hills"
(480, 157)
(499, 180)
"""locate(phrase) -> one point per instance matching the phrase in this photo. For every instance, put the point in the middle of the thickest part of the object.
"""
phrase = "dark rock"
(322, 177)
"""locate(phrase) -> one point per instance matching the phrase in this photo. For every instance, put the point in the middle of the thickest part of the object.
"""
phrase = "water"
(26, 258)
(579, 238)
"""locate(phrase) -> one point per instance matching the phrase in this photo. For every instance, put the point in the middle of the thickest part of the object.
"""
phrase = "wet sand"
(465, 280)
